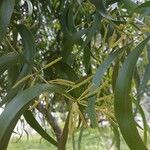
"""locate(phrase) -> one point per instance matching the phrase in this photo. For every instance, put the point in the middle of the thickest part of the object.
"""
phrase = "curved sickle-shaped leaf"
(29, 49)
(97, 81)
(122, 104)
(105, 65)
(29, 53)
(36, 126)
(6, 10)
(16, 108)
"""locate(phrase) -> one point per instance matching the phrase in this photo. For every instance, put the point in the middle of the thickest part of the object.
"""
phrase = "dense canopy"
(87, 59)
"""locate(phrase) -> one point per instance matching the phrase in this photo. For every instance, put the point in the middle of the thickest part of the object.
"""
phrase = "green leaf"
(148, 53)
(109, 2)
(87, 59)
(105, 65)
(144, 8)
(29, 50)
(142, 85)
(116, 134)
(115, 74)
(145, 79)
(9, 59)
(11, 93)
(92, 29)
(64, 136)
(122, 103)
(128, 4)
(101, 8)
(67, 70)
(80, 137)
(63, 19)
(144, 124)
(15, 108)
(74, 38)
(12, 75)
(70, 19)
(6, 10)
(29, 54)
(97, 81)
(136, 78)
(36, 126)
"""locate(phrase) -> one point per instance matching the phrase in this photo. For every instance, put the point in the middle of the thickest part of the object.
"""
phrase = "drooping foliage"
(84, 59)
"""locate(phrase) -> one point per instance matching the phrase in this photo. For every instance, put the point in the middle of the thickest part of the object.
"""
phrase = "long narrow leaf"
(15, 108)
(105, 65)
(36, 126)
(97, 81)
(29, 54)
(29, 49)
(122, 103)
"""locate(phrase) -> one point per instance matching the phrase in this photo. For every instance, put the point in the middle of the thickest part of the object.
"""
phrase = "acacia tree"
(80, 58)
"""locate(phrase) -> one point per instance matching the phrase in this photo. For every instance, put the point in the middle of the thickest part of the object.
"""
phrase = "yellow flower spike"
(112, 40)
(22, 80)
(52, 63)
(74, 118)
(62, 82)
(80, 83)
(34, 105)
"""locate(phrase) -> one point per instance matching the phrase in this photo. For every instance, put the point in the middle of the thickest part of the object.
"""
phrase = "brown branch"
(51, 120)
